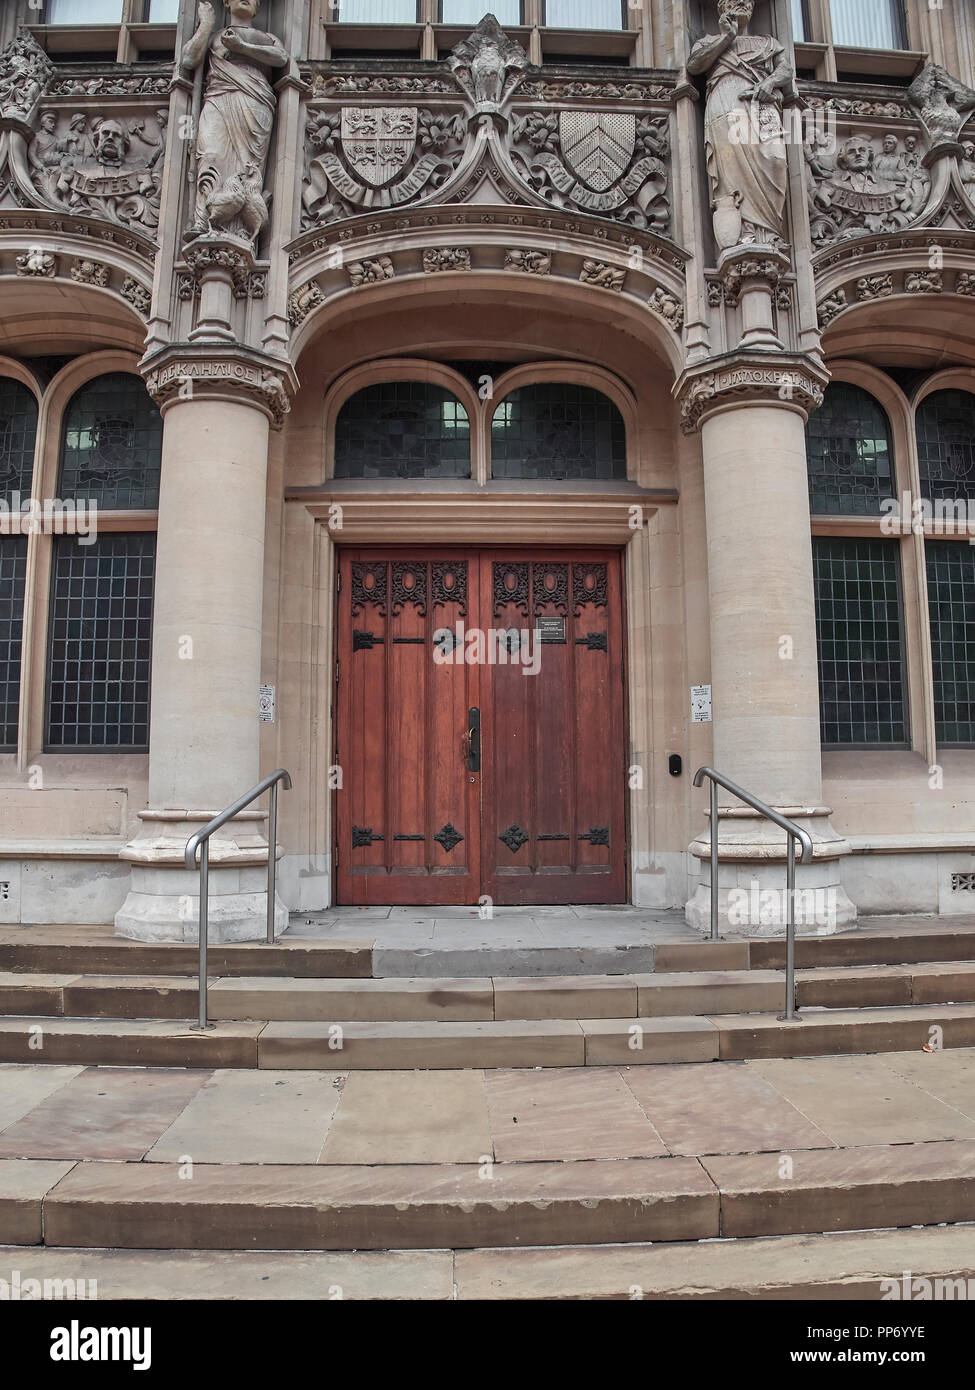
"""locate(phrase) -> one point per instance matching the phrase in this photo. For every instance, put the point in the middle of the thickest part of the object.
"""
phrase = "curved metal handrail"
(794, 832)
(200, 841)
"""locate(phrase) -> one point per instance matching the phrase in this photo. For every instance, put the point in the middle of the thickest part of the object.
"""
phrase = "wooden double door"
(480, 727)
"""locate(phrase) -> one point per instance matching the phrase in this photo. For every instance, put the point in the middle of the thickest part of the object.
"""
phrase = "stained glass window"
(402, 429)
(848, 454)
(945, 424)
(951, 602)
(13, 569)
(112, 444)
(557, 430)
(860, 641)
(100, 642)
(18, 431)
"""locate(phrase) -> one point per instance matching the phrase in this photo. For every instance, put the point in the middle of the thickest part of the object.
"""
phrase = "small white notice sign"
(266, 706)
(700, 704)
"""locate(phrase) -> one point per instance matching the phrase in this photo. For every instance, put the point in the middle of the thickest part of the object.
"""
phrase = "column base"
(163, 901)
(752, 899)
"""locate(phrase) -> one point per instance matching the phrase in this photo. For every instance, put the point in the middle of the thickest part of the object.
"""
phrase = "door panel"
(553, 822)
(539, 817)
(407, 828)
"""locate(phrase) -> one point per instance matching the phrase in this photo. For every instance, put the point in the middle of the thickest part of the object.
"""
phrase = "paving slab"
(411, 1117)
(23, 1087)
(103, 1112)
(341, 1001)
(24, 1183)
(335, 1207)
(253, 1117)
(582, 996)
(844, 1189)
(392, 1046)
(857, 1267)
(251, 1276)
(128, 1042)
(723, 1108)
(573, 1113)
(862, 1100)
(949, 1076)
(628, 1042)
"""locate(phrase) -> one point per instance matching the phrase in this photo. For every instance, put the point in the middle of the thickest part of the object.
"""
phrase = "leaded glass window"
(951, 602)
(100, 642)
(848, 454)
(860, 641)
(18, 431)
(402, 429)
(112, 444)
(13, 570)
(557, 430)
(946, 445)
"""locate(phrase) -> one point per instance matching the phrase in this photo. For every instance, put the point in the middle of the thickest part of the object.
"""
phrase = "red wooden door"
(480, 727)
(407, 814)
(553, 811)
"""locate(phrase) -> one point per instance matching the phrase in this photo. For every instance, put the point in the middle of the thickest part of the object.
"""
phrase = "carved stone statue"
(749, 80)
(943, 103)
(235, 121)
(25, 73)
(488, 65)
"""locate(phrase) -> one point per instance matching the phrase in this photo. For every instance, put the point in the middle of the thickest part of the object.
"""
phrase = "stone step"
(862, 1265)
(96, 951)
(310, 1000)
(865, 947)
(465, 1206)
(438, 1045)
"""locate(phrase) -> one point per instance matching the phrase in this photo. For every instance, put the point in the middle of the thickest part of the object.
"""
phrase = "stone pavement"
(471, 1116)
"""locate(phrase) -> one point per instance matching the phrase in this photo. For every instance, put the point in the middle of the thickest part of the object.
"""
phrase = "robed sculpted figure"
(235, 120)
(749, 78)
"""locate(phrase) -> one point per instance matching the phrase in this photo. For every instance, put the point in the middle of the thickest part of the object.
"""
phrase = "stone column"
(204, 730)
(765, 691)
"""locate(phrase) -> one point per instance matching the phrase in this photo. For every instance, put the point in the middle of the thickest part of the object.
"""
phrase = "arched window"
(557, 430)
(18, 432)
(848, 454)
(402, 429)
(100, 634)
(946, 444)
(112, 444)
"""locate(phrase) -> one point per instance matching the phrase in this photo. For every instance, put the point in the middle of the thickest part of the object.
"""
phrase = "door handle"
(473, 739)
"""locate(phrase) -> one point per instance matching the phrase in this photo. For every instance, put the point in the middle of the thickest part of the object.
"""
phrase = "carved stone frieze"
(874, 287)
(368, 272)
(965, 283)
(361, 156)
(830, 306)
(138, 296)
(670, 309)
(607, 277)
(90, 273)
(25, 76)
(303, 300)
(37, 262)
(528, 262)
(923, 282)
(440, 258)
(871, 183)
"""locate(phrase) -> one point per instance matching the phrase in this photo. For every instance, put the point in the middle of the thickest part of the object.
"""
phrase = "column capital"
(793, 380)
(209, 371)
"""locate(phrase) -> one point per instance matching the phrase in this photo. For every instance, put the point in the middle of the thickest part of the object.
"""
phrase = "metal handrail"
(794, 832)
(201, 841)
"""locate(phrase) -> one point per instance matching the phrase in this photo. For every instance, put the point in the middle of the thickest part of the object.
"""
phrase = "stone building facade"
(325, 329)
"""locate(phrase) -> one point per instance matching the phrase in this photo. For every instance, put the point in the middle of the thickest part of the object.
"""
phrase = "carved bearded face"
(741, 10)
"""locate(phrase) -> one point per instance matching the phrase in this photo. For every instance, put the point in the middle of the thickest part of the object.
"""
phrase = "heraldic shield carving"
(597, 145)
(378, 141)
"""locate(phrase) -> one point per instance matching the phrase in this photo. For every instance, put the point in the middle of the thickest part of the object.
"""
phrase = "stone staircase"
(88, 997)
(682, 1224)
